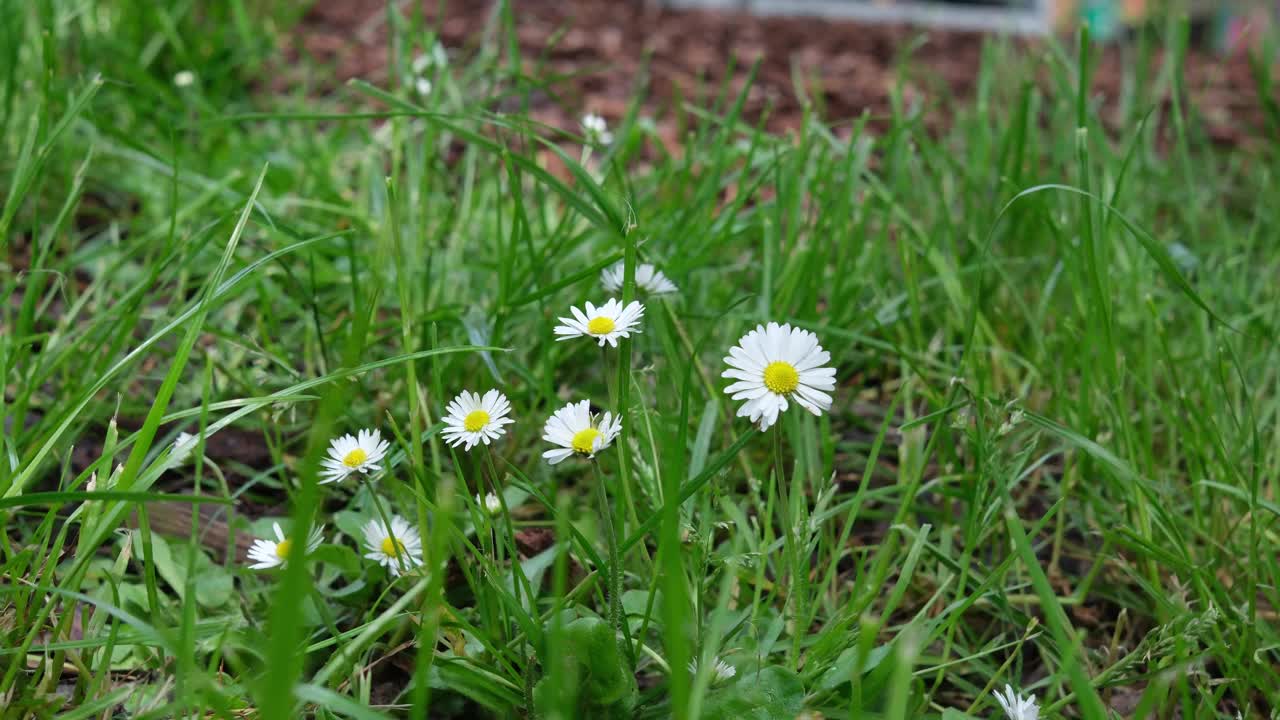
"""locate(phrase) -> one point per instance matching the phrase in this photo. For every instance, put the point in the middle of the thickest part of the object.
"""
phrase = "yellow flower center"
(355, 458)
(282, 549)
(475, 421)
(392, 547)
(584, 441)
(600, 326)
(781, 377)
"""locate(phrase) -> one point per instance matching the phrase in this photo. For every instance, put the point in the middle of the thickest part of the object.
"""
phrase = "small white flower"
(490, 503)
(437, 58)
(606, 323)
(422, 85)
(648, 278)
(596, 129)
(354, 454)
(399, 551)
(577, 431)
(721, 671)
(269, 554)
(1016, 706)
(775, 364)
(472, 419)
(184, 78)
(182, 447)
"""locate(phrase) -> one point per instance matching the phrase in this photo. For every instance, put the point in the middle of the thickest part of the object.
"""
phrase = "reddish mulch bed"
(602, 47)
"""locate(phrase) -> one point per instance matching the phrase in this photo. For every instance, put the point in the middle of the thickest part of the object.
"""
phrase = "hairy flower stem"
(614, 579)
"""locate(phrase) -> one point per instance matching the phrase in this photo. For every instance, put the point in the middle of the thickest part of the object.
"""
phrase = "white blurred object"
(1022, 17)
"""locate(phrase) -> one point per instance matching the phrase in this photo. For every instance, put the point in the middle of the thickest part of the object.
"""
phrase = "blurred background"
(1227, 25)
(839, 58)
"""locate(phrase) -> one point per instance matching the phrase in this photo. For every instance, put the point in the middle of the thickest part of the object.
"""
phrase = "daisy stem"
(788, 538)
(614, 580)
(619, 394)
(487, 534)
(386, 520)
(522, 584)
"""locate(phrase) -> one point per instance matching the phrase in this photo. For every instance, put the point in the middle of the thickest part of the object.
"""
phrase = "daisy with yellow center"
(606, 323)
(269, 554)
(578, 432)
(359, 454)
(472, 419)
(399, 548)
(648, 278)
(775, 365)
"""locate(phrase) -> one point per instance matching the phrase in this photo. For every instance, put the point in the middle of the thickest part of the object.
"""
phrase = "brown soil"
(605, 49)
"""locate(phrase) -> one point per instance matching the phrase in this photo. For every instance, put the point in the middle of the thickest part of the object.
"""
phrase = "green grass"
(1052, 460)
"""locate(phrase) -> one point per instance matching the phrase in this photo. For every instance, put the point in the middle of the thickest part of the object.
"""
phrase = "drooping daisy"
(269, 554)
(606, 323)
(1016, 706)
(596, 129)
(182, 447)
(490, 503)
(775, 364)
(648, 278)
(720, 672)
(473, 419)
(578, 432)
(354, 454)
(399, 551)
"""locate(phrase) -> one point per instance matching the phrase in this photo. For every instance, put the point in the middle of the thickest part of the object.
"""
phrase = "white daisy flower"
(775, 364)
(1016, 706)
(269, 554)
(720, 672)
(184, 78)
(607, 323)
(182, 447)
(490, 503)
(648, 278)
(472, 419)
(354, 454)
(596, 129)
(437, 58)
(577, 431)
(399, 551)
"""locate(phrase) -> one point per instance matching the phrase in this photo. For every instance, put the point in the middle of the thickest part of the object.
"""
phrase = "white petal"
(813, 360)
(746, 384)
(556, 456)
(819, 400)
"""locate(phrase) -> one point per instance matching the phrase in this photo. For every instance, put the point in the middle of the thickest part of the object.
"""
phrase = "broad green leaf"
(213, 585)
(842, 671)
(606, 688)
(773, 692)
